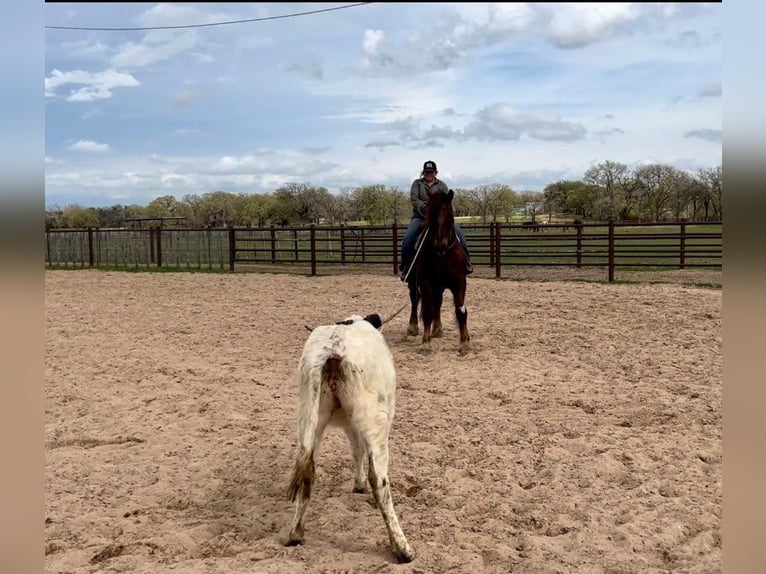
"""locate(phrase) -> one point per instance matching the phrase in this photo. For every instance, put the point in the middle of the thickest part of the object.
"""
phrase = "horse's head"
(440, 220)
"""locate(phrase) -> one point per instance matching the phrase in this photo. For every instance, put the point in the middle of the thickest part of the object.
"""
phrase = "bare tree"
(533, 203)
(656, 183)
(493, 200)
(712, 180)
(399, 204)
(607, 177)
(463, 204)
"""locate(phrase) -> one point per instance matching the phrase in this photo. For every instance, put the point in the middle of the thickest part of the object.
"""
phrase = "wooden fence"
(610, 245)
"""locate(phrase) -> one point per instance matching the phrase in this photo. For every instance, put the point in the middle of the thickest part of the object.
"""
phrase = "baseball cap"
(429, 166)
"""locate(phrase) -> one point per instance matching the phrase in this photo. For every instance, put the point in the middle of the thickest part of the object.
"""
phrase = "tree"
(220, 209)
(569, 197)
(712, 182)
(555, 197)
(463, 204)
(682, 186)
(371, 202)
(164, 206)
(532, 201)
(400, 205)
(656, 185)
(134, 211)
(191, 205)
(493, 200)
(111, 216)
(607, 178)
(312, 203)
(76, 216)
(54, 217)
(256, 209)
(342, 207)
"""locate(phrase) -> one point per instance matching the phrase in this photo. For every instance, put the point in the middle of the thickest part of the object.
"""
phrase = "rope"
(421, 241)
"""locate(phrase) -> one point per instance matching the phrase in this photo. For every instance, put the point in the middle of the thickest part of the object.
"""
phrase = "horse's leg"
(436, 330)
(412, 329)
(427, 297)
(461, 313)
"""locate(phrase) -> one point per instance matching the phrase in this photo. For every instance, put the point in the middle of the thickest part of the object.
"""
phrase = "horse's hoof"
(412, 330)
(437, 334)
(425, 350)
(464, 349)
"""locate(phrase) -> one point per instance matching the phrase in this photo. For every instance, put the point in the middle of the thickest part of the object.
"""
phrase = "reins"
(421, 240)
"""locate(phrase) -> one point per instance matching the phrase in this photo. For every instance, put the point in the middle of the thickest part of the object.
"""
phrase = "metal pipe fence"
(496, 245)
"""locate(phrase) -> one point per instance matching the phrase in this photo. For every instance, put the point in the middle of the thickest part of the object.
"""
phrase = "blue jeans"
(411, 235)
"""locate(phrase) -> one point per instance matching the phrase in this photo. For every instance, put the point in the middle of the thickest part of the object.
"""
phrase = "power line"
(212, 23)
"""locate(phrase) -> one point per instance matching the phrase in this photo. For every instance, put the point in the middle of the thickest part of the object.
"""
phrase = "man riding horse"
(420, 195)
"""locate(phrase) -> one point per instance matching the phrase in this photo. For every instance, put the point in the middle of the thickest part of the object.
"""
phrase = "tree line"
(607, 191)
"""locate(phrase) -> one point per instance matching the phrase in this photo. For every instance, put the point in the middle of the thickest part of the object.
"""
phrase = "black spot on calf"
(374, 320)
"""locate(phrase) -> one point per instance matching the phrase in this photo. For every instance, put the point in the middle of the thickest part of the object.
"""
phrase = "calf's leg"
(310, 429)
(377, 446)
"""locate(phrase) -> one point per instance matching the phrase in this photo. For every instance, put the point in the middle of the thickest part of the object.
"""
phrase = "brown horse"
(440, 263)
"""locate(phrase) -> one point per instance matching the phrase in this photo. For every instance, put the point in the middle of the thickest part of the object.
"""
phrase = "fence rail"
(496, 245)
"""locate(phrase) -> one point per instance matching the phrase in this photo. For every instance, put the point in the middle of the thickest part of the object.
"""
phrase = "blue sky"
(522, 94)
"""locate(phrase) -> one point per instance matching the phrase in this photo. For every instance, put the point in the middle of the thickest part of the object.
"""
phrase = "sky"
(512, 93)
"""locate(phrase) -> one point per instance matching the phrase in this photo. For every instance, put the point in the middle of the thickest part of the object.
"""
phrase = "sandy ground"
(582, 434)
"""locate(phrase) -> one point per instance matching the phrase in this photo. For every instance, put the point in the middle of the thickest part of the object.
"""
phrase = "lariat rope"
(421, 241)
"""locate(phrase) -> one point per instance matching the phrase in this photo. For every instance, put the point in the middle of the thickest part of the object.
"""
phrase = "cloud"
(187, 132)
(374, 54)
(286, 162)
(712, 91)
(155, 47)
(577, 25)
(705, 134)
(502, 122)
(184, 99)
(382, 144)
(96, 86)
(497, 122)
(172, 14)
(308, 68)
(89, 146)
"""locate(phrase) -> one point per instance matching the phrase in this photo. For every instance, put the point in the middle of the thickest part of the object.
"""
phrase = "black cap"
(429, 166)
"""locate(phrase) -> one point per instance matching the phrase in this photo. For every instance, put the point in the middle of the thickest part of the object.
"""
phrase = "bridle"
(451, 232)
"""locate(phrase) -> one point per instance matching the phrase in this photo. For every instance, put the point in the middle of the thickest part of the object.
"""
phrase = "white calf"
(347, 378)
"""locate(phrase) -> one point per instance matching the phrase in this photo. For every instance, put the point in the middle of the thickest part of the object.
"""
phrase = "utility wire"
(212, 23)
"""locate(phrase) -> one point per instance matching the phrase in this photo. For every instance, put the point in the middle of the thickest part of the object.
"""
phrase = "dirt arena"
(582, 434)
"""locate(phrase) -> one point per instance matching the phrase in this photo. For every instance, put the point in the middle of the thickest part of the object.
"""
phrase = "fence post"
(48, 246)
(312, 242)
(491, 246)
(90, 246)
(295, 243)
(159, 247)
(273, 244)
(611, 250)
(342, 243)
(151, 245)
(578, 228)
(361, 237)
(396, 247)
(683, 246)
(232, 247)
(497, 249)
